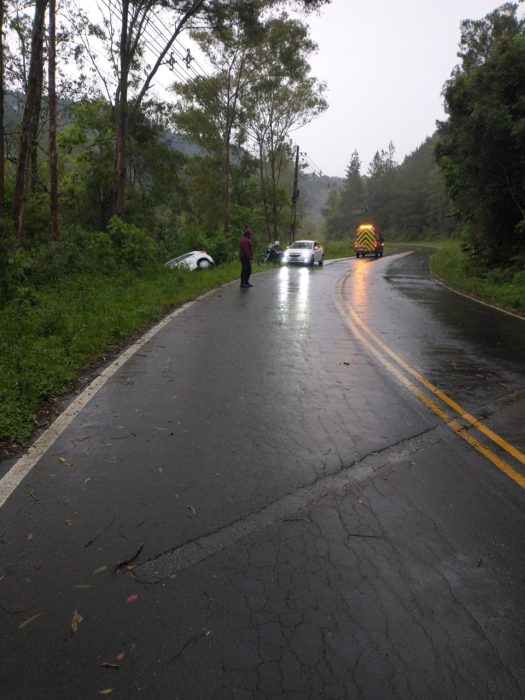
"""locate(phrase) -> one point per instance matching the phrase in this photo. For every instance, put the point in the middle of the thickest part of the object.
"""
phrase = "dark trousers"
(246, 271)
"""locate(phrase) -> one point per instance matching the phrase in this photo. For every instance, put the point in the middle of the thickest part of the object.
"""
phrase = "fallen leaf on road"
(132, 598)
(99, 570)
(62, 459)
(76, 620)
(27, 622)
(192, 510)
(30, 536)
(114, 667)
(106, 691)
(121, 655)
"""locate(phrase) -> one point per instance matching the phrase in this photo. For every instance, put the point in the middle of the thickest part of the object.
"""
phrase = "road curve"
(282, 494)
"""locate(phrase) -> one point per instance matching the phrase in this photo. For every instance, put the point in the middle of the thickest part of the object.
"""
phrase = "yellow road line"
(450, 422)
(503, 444)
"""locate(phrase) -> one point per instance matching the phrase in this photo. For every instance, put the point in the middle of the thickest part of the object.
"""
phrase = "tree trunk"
(33, 180)
(122, 116)
(274, 196)
(2, 141)
(226, 184)
(264, 192)
(53, 163)
(35, 74)
(133, 26)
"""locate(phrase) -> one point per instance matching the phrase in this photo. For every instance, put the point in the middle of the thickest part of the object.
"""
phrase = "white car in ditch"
(196, 260)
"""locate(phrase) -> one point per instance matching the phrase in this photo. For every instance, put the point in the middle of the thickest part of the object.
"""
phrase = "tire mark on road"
(166, 564)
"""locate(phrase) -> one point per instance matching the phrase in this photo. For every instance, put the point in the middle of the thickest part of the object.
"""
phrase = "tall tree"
(380, 181)
(353, 201)
(346, 206)
(2, 139)
(209, 109)
(482, 144)
(283, 98)
(126, 45)
(127, 49)
(52, 102)
(34, 88)
(260, 89)
(230, 50)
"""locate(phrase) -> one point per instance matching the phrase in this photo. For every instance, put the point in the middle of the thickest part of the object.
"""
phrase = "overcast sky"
(385, 63)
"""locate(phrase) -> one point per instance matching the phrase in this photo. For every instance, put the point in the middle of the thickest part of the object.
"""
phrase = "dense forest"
(407, 202)
(97, 171)
(468, 179)
(92, 166)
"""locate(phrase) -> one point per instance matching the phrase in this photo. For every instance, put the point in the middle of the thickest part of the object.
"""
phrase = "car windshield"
(182, 257)
(302, 244)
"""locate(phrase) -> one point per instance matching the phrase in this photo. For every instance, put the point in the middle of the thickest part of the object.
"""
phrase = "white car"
(304, 253)
(196, 260)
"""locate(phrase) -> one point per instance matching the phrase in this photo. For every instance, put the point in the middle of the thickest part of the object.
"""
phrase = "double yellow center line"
(396, 367)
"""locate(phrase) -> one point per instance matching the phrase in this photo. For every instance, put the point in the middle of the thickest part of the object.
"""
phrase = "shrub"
(135, 249)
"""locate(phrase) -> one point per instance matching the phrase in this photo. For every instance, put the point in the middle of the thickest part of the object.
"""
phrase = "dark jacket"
(245, 251)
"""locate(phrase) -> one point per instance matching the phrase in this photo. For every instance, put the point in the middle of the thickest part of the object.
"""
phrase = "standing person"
(245, 255)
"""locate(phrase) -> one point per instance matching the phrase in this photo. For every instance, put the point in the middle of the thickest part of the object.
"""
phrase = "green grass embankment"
(55, 332)
(502, 286)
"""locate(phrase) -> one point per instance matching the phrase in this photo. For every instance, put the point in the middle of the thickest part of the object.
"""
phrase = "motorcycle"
(271, 254)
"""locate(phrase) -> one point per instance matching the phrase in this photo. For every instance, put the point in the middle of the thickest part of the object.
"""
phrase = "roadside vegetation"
(502, 286)
(62, 328)
(101, 182)
(466, 183)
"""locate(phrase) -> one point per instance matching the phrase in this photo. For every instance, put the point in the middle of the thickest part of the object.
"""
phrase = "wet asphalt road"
(301, 524)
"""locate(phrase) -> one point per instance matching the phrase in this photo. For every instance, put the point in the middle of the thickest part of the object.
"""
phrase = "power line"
(317, 170)
(180, 63)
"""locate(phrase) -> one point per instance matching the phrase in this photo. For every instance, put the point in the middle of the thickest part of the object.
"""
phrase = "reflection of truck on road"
(367, 241)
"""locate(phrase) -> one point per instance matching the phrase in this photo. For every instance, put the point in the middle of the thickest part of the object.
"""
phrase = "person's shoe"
(243, 286)
(248, 284)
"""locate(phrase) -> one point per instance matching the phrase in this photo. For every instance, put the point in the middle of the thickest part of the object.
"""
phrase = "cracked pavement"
(253, 507)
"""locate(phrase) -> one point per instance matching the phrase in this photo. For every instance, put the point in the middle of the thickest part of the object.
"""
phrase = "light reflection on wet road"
(305, 527)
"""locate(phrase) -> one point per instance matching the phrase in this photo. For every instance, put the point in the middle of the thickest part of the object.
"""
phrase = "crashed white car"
(196, 260)
(304, 253)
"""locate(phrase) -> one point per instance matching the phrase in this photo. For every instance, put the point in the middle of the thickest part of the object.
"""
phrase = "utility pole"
(295, 197)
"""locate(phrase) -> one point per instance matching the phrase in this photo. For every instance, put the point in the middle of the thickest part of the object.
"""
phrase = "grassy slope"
(48, 339)
(503, 287)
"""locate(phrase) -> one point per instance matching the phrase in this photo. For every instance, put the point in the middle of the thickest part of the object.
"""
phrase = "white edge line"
(479, 301)
(25, 464)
